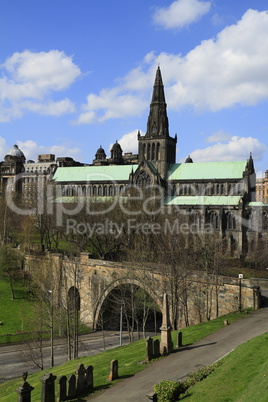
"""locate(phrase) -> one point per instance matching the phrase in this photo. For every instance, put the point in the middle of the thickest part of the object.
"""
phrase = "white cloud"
(110, 104)
(237, 148)
(218, 136)
(129, 142)
(230, 70)
(31, 150)
(181, 13)
(219, 73)
(3, 148)
(30, 79)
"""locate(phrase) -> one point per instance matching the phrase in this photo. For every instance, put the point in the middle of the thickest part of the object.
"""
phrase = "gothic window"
(174, 192)
(83, 190)
(222, 189)
(148, 151)
(196, 189)
(153, 151)
(154, 128)
(157, 151)
(121, 189)
(143, 179)
(99, 191)
(230, 221)
(105, 190)
(94, 190)
(111, 191)
(89, 190)
(214, 219)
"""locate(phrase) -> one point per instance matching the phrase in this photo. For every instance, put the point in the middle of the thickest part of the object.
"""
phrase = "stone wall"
(201, 297)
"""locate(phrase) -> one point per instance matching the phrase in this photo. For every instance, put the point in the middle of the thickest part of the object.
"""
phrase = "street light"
(240, 276)
(51, 329)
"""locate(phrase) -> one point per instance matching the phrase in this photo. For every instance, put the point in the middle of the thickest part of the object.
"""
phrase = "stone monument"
(166, 345)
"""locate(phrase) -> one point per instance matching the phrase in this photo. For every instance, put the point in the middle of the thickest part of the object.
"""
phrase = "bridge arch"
(116, 284)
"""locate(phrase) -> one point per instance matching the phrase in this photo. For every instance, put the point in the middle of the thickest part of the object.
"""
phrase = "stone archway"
(115, 285)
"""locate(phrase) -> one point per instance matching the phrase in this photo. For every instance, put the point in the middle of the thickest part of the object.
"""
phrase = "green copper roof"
(93, 173)
(204, 200)
(206, 170)
(256, 204)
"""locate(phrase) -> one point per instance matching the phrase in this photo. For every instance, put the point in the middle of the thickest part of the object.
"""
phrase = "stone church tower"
(156, 145)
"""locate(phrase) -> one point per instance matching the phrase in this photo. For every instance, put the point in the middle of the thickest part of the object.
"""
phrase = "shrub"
(169, 390)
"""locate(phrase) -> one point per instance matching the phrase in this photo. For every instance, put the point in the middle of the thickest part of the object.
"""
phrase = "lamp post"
(240, 276)
(121, 322)
(51, 329)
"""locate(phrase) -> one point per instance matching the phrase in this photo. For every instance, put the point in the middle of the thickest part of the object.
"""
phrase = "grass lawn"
(12, 312)
(242, 377)
(128, 356)
(16, 315)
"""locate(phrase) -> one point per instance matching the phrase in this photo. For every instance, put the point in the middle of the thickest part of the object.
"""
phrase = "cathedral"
(220, 194)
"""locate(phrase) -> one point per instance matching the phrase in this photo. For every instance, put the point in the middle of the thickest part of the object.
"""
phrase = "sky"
(77, 74)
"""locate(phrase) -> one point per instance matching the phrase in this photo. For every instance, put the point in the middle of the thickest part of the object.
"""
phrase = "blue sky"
(77, 74)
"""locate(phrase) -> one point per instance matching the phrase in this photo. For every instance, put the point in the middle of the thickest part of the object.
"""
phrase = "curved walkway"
(186, 360)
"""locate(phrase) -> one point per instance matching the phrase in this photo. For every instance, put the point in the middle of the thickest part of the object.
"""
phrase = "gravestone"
(71, 386)
(80, 378)
(113, 370)
(62, 388)
(24, 392)
(89, 378)
(156, 346)
(149, 349)
(179, 339)
(48, 387)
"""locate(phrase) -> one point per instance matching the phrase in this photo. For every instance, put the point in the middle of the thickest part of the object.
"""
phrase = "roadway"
(13, 361)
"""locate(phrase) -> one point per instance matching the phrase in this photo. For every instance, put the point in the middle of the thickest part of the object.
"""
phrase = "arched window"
(73, 299)
(149, 152)
(111, 192)
(83, 190)
(94, 190)
(153, 151)
(105, 190)
(214, 220)
(157, 151)
(230, 221)
(99, 191)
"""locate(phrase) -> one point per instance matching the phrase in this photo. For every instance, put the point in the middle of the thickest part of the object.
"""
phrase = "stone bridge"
(198, 294)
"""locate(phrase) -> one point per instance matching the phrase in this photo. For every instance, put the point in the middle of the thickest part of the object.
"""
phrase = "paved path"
(189, 359)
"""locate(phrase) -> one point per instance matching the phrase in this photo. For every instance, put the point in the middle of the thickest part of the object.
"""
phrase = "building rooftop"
(94, 173)
(206, 170)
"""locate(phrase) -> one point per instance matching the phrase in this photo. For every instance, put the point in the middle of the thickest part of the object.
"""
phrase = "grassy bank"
(129, 357)
(242, 377)
(13, 313)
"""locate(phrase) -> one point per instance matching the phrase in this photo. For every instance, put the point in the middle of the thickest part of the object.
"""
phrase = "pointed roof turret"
(158, 91)
(157, 125)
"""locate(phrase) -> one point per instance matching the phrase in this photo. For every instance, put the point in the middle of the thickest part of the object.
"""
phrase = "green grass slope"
(13, 313)
(129, 357)
(243, 376)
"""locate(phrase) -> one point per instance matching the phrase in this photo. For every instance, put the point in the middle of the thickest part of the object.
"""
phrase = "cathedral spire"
(157, 125)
